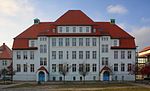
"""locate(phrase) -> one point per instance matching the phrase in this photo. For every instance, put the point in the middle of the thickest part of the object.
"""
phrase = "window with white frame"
(115, 67)
(53, 67)
(94, 54)
(73, 54)
(87, 67)
(80, 54)
(18, 55)
(4, 62)
(60, 41)
(67, 42)
(60, 67)
(32, 43)
(53, 41)
(87, 29)
(18, 67)
(67, 56)
(80, 41)
(104, 48)
(45, 48)
(115, 43)
(25, 68)
(43, 61)
(122, 67)
(60, 29)
(115, 54)
(73, 67)
(129, 54)
(25, 56)
(31, 67)
(94, 67)
(60, 54)
(122, 54)
(80, 29)
(93, 41)
(41, 48)
(67, 29)
(74, 29)
(32, 55)
(53, 54)
(104, 60)
(129, 67)
(87, 54)
(73, 41)
(87, 41)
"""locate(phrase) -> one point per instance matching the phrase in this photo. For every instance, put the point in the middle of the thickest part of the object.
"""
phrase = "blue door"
(106, 76)
(41, 76)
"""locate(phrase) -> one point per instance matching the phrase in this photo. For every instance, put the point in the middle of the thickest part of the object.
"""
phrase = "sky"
(131, 15)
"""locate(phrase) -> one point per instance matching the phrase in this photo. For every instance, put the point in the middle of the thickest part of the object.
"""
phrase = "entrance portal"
(41, 76)
(106, 75)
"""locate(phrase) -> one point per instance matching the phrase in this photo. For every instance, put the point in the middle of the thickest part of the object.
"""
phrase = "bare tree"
(4, 72)
(64, 69)
(83, 70)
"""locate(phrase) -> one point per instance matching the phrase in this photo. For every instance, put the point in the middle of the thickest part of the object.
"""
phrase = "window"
(104, 48)
(60, 54)
(80, 54)
(53, 67)
(45, 49)
(74, 29)
(87, 29)
(122, 54)
(53, 41)
(43, 61)
(67, 43)
(67, 56)
(60, 67)
(74, 78)
(80, 41)
(122, 67)
(67, 29)
(87, 41)
(31, 54)
(60, 78)
(80, 29)
(115, 67)
(31, 67)
(60, 41)
(53, 54)
(94, 78)
(104, 38)
(54, 78)
(129, 66)
(129, 54)
(80, 67)
(25, 55)
(94, 54)
(115, 42)
(73, 41)
(73, 67)
(18, 55)
(73, 54)
(32, 43)
(87, 54)
(18, 67)
(93, 41)
(60, 29)
(94, 67)
(41, 49)
(4, 62)
(104, 60)
(115, 54)
(87, 67)
(25, 67)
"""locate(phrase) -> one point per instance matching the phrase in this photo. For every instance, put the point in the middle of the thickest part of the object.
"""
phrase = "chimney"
(3, 43)
(112, 21)
(36, 21)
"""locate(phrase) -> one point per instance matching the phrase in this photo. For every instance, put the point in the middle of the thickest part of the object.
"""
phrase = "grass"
(126, 89)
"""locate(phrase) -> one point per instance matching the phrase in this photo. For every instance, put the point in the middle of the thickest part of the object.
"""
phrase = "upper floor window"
(67, 29)
(122, 67)
(115, 67)
(73, 41)
(4, 62)
(43, 61)
(32, 43)
(80, 29)
(87, 41)
(74, 29)
(94, 67)
(129, 54)
(129, 67)
(31, 54)
(18, 67)
(80, 54)
(60, 54)
(67, 42)
(73, 54)
(60, 29)
(115, 42)
(31, 67)
(45, 49)
(53, 54)
(115, 54)
(25, 56)
(25, 68)
(87, 67)
(18, 55)
(80, 41)
(87, 29)
(53, 67)
(104, 38)
(94, 41)
(104, 48)
(67, 56)
(122, 54)
(41, 48)
(53, 41)
(104, 60)
(73, 67)
(60, 41)
(94, 54)
(87, 54)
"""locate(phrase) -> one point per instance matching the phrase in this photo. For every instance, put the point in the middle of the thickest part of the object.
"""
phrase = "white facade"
(96, 51)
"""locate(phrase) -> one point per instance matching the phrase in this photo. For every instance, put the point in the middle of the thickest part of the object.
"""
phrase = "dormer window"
(87, 29)
(115, 42)
(67, 29)
(60, 29)
(32, 43)
(74, 29)
(80, 29)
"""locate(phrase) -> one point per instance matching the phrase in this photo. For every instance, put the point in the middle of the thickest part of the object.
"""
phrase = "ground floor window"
(74, 78)
(54, 78)
(60, 78)
(116, 78)
(94, 78)
(80, 78)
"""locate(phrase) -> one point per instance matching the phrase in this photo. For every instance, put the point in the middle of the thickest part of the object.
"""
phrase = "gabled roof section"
(5, 52)
(145, 49)
(74, 17)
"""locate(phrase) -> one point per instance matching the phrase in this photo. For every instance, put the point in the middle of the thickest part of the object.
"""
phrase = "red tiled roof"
(5, 52)
(145, 55)
(46, 29)
(74, 17)
(145, 49)
(43, 69)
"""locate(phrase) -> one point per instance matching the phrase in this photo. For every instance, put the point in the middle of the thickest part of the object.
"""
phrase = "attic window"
(87, 29)
(67, 29)
(53, 30)
(60, 29)
(94, 30)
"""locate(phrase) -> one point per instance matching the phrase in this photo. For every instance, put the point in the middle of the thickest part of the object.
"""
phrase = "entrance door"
(106, 76)
(41, 76)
